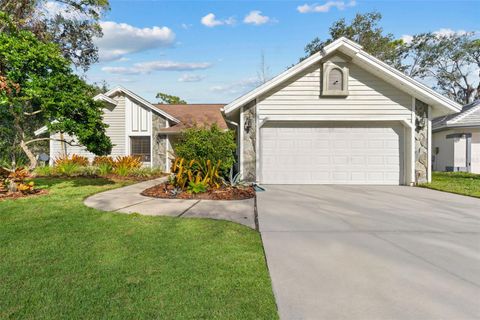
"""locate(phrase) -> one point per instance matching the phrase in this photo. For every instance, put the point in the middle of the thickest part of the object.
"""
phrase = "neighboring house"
(456, 140)
(137, 127)
(340, 116)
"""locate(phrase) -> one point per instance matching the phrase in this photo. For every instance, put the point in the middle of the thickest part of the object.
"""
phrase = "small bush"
(202, 144)
(197, 187)
(190, 174)
(104, 168)
(67, 168)
(17, 180)
(75, 158)
(125, 164)
(99, 160)
(44, 171)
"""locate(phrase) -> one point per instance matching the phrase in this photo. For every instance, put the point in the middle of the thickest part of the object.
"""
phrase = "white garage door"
(365, 153)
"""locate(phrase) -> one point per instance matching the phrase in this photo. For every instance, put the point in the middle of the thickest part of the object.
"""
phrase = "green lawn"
(456, 182)
(60, 259)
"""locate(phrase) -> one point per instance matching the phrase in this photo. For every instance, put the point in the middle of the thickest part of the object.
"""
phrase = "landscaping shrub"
(99, 160)
(17, 180)
(44, 171)
(193, 175)
(124, 165)
(75, 158)
(202, 144)
(104, 164)
(67, 168)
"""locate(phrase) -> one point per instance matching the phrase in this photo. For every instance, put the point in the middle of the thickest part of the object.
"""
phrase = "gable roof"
(190, 115)
(469, 116)
(139, 99)
(370, 63)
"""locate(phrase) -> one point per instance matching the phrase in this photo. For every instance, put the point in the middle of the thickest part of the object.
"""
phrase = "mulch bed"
(17, 195)
(164, 191)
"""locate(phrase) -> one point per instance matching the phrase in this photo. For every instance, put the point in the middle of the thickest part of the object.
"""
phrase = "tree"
(365, 30)
(451, 61)
(72, 24)
(37, 88)
(202, 144)
(169, 99)
(263, 72)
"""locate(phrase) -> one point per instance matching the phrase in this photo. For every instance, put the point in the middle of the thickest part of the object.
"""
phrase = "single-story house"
(456, 140)
(138, 127)
(340, 116)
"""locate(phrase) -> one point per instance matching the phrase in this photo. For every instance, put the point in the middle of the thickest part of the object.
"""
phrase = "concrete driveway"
(371, 252)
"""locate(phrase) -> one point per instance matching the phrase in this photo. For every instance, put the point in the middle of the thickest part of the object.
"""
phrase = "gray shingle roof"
(469, 116)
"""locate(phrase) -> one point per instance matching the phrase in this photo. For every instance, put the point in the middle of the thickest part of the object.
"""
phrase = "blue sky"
(210, 51)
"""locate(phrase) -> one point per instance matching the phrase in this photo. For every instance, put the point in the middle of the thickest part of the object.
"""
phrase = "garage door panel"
(370, 153)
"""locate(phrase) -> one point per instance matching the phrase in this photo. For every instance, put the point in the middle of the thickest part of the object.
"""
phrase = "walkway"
(129, 200)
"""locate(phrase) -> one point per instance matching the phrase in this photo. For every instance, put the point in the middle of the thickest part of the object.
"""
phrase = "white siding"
(370, 98)
(139, 119)
(476, 150)
(115, 118)
(460, 152)
(444, 157)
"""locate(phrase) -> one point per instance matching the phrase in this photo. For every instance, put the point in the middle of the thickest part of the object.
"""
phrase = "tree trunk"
(30, 155)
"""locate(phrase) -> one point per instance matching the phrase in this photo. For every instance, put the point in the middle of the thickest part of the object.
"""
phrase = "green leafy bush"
(67, 168)
(197, 187)
(202, 144)
(44, 171)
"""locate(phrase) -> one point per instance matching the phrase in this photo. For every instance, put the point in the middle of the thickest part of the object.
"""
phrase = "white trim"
(257, 145)
(333, 117)
(151, 139)
(142, 101)
(412, 141)
(104, 98)
(429, 143)
(350, 48)
(167, 148)
(240, 128)
(128, 121)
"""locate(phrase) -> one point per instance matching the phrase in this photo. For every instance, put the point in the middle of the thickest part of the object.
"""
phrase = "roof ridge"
(473, 106)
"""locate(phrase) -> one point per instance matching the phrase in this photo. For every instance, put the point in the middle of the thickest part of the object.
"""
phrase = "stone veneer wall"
(421, 142)
(249, 138)
(159, 143)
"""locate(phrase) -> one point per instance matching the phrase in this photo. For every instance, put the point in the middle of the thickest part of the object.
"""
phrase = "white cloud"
(211, 21)
(151, 66)
(407, 38)
(255, 17)
(237, 87)
(340, 5)
(120, 39)
(188, 77)
(448, 32)
(50, 9)
(186, 26)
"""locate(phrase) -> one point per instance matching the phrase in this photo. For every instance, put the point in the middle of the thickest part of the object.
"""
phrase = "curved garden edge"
(129, 200)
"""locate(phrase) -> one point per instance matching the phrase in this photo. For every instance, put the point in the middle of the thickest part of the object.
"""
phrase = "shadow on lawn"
(75, 181)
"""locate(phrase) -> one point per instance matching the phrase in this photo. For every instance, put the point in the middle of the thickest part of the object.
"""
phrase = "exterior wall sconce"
(247, 125)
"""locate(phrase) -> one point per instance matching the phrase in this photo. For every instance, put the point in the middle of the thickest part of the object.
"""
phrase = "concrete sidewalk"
(129, 200)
